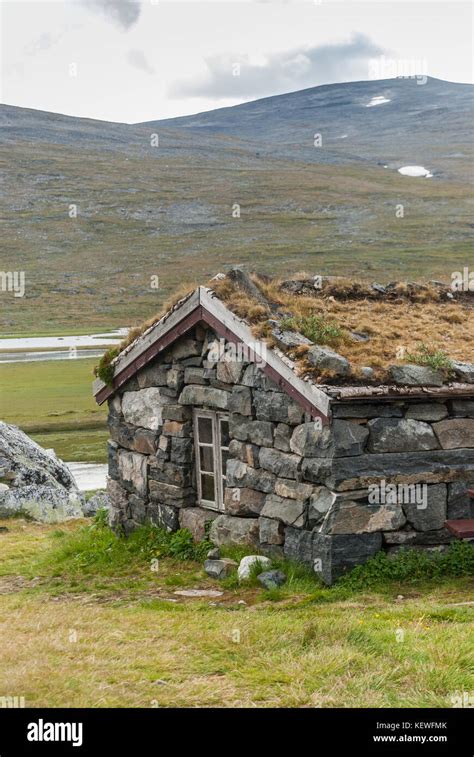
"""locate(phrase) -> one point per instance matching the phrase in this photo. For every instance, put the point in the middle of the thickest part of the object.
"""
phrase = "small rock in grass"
(219, 568)
(199, 593)
(247, 563)
(214, 554)
(272, 579)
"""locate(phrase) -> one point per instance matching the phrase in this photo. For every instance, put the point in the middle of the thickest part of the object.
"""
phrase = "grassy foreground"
(90, 620)
(52, 402)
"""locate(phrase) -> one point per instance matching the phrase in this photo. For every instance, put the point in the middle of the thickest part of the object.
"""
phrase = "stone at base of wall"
(164, 516)
(195, 520)
(330, 555)
(228, 529)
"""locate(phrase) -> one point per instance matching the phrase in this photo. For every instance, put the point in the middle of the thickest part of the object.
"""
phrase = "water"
(61, 347)
(88, 476)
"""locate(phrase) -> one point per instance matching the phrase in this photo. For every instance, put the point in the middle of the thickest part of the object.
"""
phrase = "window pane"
(225, 434)
(206, 457)
(205, 430)
(207, 486)
(225, 457)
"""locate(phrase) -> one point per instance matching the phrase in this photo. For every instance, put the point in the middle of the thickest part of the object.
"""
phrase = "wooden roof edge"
(388, 392)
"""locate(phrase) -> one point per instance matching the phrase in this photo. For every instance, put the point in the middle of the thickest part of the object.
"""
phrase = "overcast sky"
(133, 60)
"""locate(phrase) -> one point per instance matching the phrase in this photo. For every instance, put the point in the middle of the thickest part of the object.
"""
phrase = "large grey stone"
(153, 375)
(271, 531)
(276, 406)
(464, 371)
(184, 348)
(280, 463)
(271, 579)
(144, 408)
(246, 430)
(455, 432)
(207, 396)
(226, 529)
(168, 494)
(427, 411)
(170, 473)
(242, 475)
(460, 505)
(229, 368)
(400, 435)
(462, 408)
(240, 400)
(289, 511)
(243, 502)
(247, 453)
(45, 503)
(311, 440)
(132, 469)
(366, 410)
(430, 515)
(248, 563)
(334, 555)
(348, 473)
(320, 502)
(349, 438)
(197, 520)
(415, 375)
(325, 359)
(182, 450)
(286, 487)
(219, 568)
(355, 518)
(164, 516)
(282, 437)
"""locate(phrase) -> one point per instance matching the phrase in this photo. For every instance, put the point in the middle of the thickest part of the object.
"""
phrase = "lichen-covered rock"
(286, 487)
(271, 579)
(163, 516)
(226, 529)
(400, 435)
(229, 369)
(325, 359)
(319, 503)
(255, 432)
(144, 408)
(132, 471)
(99, 501)
(276, 406)
(455, 432)
(41, 502)
(415, 375)
(240, 400)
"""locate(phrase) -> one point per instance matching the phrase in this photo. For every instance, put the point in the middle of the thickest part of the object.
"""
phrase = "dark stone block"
(164, 516)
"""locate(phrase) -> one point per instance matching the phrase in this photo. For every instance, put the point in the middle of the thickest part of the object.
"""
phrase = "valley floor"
(82, 626)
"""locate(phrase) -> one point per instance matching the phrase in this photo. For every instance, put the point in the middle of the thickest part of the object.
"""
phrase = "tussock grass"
(85, 622)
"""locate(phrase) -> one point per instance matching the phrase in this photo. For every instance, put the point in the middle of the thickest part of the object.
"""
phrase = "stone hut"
(218, 432)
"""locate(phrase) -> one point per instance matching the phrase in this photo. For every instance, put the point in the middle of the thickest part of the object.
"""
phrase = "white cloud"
(138, 59)
(291, 69)
(123, 13)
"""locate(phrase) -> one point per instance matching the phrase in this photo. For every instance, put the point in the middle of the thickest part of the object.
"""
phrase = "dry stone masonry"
(383, 474)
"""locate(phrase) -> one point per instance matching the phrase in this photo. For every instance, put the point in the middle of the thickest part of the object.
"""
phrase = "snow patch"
(378, 100)
(415, 171)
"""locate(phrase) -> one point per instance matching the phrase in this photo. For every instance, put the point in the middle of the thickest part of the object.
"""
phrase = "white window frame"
(219, 474)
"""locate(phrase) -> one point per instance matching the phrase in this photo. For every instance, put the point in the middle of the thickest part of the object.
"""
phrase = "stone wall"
(323, 496)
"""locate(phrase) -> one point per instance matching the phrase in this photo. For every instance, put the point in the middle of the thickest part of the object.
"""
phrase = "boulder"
(415, 375)
(455, 432)
(226, 529)
(325, 359)
(248, 562)
(41, 502)
(144, 407)
(400, 435)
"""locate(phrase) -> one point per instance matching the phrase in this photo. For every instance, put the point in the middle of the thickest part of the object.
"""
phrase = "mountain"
(91, 210)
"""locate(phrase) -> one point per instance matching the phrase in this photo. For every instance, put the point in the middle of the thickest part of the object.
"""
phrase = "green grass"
(85, 620)
(316, 328)
(432, 358)
(52, 402)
